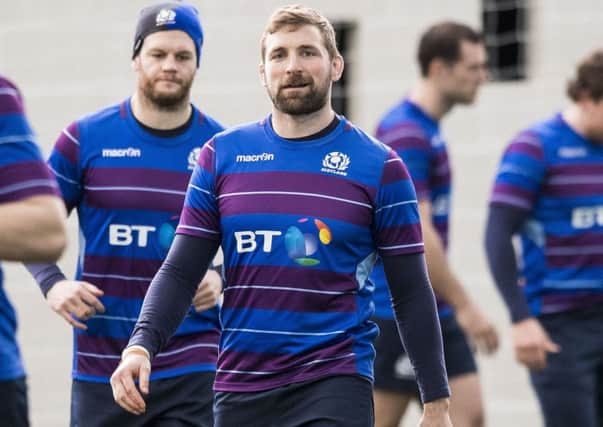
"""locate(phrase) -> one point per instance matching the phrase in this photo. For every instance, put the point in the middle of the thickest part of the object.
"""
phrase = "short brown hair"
(443, 40)
(589, 78)
(296, 16)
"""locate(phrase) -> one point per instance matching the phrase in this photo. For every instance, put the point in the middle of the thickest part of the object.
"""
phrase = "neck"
(431, 100)
(289, 126)
(576, 118)
(150, 115)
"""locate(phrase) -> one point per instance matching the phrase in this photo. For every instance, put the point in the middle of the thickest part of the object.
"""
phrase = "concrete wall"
(71, 57)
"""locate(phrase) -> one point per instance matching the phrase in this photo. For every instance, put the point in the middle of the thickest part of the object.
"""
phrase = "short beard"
(172, 102)
(310, 103)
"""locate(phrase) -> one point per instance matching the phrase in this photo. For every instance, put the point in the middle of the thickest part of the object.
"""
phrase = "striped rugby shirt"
(23, 174)
(416, 138)
(557, 176)
(128, 188)
(300, 224)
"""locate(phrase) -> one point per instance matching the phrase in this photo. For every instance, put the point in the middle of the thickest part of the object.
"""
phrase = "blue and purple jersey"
(23, 174)
(128, 187)
(300, 224)
(557, 176)
(416, 138)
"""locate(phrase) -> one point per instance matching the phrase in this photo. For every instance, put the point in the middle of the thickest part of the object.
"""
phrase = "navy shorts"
(186, 400)
(570, 388)
(13, 403)
(338, 401)
(393, 370)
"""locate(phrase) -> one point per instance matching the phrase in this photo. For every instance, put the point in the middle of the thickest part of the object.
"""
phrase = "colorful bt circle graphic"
(302, 240)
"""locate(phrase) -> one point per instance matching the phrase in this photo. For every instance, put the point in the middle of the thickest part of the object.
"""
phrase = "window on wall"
(505, 32)
(340, 97)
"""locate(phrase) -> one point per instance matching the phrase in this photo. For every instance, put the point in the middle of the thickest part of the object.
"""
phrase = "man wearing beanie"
(125, 169)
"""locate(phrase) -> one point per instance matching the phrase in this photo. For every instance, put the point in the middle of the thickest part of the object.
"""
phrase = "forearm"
(444, 282)
(45, 275)
(33, 229)
(416, 315)
(502, 223)
(171, 291)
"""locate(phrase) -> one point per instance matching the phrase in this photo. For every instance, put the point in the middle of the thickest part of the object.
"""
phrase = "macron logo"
(254, 157)
(122, 152)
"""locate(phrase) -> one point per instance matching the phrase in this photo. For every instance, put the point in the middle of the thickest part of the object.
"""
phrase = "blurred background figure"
(452, 60)
(125, 170)
(32, 228)
(549, 193)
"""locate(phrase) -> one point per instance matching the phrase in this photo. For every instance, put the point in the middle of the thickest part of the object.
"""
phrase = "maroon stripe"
(295, 182)
(296, 205)
(523, 148)
(400, 234)
(584, 239)
(119, 288)
(247, 361)
(571, 190)
(575, 260)
(278, 299)
(405, 135)
(38, 190)
(121, 266)
(321, 280)
(206, 157)
(200, 218)
(557, 303)
(112, 346)
(594, 169)
(409, 143)
(137, 177)
(66, 147)
(246, 382)
(394, 171)
(18, 172)
(11, 104)
(515, 191)
(121, 199)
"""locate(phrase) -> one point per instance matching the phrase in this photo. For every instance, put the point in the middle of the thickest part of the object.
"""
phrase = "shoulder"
(205, 120)
(10, 97)
(233, 136)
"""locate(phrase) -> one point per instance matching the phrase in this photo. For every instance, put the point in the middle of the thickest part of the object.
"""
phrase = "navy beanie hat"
(165, 17)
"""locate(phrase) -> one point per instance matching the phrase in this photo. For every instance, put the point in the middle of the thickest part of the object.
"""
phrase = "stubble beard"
(298, 105)
(167, 101)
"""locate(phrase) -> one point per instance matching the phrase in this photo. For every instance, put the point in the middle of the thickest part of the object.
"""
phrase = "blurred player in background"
(301, 201)
(125, 170)
(32, 229)
(452, 60)
(549, 193)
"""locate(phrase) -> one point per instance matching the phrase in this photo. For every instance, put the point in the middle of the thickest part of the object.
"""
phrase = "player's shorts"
(570, 388)
(186, 400)
(13, 403)
(338, 401)
(393, 370)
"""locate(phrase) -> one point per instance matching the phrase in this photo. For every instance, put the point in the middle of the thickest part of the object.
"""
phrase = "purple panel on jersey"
(298, 204)
(99, 356)
(321, 280)
(68, 143)
(409, 232)
(295, 182)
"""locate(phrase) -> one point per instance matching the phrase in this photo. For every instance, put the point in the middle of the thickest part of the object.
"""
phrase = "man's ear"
(337, 66)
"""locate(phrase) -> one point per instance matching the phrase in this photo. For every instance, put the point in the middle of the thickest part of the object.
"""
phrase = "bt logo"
(125, 235)
(301, 240)
(587, 217)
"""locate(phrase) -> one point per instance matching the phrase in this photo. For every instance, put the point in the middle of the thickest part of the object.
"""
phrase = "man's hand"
(208, 291)
(134, 364)
(532, 343)
(477, 327)
(70, 298)
(435, 414)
